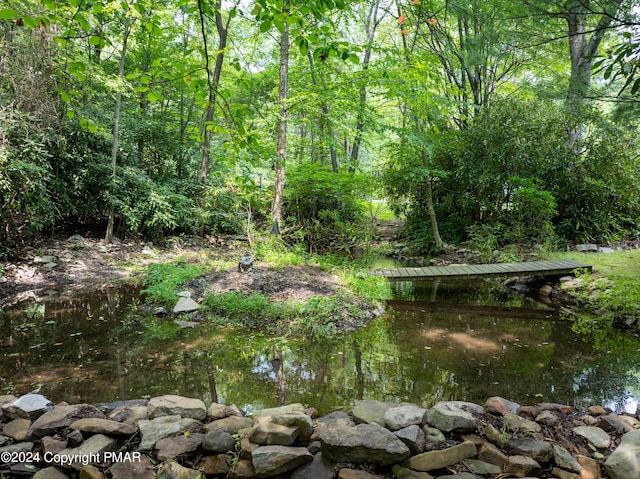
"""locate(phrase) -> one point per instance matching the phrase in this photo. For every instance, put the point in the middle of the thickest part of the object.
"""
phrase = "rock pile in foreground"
(174, 437)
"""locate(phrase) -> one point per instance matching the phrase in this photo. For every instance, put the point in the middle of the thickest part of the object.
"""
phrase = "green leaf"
(65, 97)
(266, 26)
(153, 97)
(94, 40)
(71, 114)
(7, 13)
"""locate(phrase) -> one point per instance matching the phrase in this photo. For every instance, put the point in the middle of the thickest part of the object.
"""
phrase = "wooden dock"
(529, 268)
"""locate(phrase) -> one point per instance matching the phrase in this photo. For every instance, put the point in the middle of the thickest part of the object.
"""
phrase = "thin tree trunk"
(108, 237)
(281, 131)
(430, 209)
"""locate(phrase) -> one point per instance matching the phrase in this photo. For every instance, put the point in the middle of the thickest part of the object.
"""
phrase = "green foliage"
(533, 210)
(249, 310)
(222, 210)
(162, 281)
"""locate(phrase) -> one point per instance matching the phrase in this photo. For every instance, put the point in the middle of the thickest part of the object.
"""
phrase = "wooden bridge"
(529, 268)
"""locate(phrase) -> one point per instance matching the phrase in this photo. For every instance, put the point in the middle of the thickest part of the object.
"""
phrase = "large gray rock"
(596, 436)
(428, 461)
(219, 442)
(231, 424)
(519, 424)
(90, 451)
(138, 469)
(185, 305)
(369, 412)
(61, 417)
(172, 447)
(281, 428)
(172, 405)
(413, 436)
(565, 460)
(273, 460)
(405, 415)
(29, 406)
(94, 425)
(363, 443)
(152, 430)
(175, 471)
(319, 468)
(454, 416)
(624, 462)
(541, 451)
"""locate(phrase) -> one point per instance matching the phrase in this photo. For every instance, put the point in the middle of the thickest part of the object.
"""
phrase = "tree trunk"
(430, 209)
(108, 237)
(281, 132)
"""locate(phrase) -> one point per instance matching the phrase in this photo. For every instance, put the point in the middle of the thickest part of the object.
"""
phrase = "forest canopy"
(502, 121)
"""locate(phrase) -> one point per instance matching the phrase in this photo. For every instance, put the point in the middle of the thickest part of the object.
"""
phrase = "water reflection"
(443, 340)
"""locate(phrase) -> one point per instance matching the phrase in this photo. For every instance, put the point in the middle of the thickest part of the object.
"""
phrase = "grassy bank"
(612, 290)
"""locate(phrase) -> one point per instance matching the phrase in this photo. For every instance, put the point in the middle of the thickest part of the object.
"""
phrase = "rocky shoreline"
(181, 438)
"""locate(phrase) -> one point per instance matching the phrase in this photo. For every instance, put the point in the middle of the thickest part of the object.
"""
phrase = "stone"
(89, 452)
(74, 437)
(242, 470)
(172, 447)
(273, 460)
(140, 469)
(91, 472)
(175, 471)
(370, 412)
(432, 434)
(541, 451)
(318, 468)
(363, 443)
(215, 465)
(596, 436)
(17, 429)
(452, 417)
(482, 468)
(173, 405)
(18, 447)
(94, 425)
(548, 418)
(413, 436)
(52, 445)
(218, 442)
(399, 417)
(489, 453)
(220, 411)
(152, 430)
(281, 428)
(564, 459)
(231, 424)
(624, 462)
(586, 247)
(332, 420)
(614, 423)
(430, 460)
(517, 424)
(597, 410)
(590, 468)
(129, 414)
(400, 472)
(29, 406)
(21, 469)
(523, 466)
(61, 417)
(460, 475)
(52, 472)
(346, 473)
(185, 305)
(498, 405)
(562, 474)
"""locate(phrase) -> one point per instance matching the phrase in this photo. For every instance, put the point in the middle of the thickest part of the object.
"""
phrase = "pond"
(465, 340)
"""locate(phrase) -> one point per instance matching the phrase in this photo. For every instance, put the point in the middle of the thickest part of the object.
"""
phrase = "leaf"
(266, 26)
(404, 32)
(65, 97)
(402, 19)
(153, 97)
(432, 21)
(94, 40)
(415, 2)
(71, 114)
(7, 13)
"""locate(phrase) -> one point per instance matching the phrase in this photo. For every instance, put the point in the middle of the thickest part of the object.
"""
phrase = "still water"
(439, 341)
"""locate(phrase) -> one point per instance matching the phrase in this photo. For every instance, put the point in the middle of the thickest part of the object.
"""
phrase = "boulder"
(152, 430)
(523, 466)
(564, 459)
(402, 416)
(17, 429)
(541, 451)
(370, 412)
(498, 405)
(218, 465)
(453, 416)
(175, 471)
(624, 462)
(400, 472)
(61, 417)
(594, 435)
(231, 424)
(94, 425)
(413, 437)
(218, 442)
(517, 424)
(363, 443)
(172, 447)
(273, 460)
(243, 469)
(29, 406)
(430, 460)
(281, 428)
(172, 405)
(89, 452)
(140, 469)
(185, 305)
(318, 468)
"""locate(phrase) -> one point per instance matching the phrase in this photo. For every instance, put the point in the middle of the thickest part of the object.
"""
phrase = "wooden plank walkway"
(529, 268)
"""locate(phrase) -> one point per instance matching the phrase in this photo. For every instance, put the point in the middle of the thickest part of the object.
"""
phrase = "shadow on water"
(441, 341)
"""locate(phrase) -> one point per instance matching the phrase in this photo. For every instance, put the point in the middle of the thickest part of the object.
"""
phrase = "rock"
(564, 459)
(370, 412)
(172, 447)
(614, 423)
(29, 406)
(102, 426)
(45, 259)
(541, 451)
(129, 414)
(332, 420)
(21, 469)
(152, 430)
(18, 447)
(273, 460)
(91, 472)
(74, 437)
(141, 469)
(242, 470)
(605, 250)
(185, 305)
(523, 466)
(432, 434)
(498, 405)
(218, 442)
(231, 424)
(172, 405)
(52, 445)
(363, 443)
(624, 462)
(400, 472)
(52, 472)
(516, 424)
(173, 470)
(428, 461)
(345, 473)
(548, 418)
(89, 452)
(586, 247)
(318, 468)
(597, 410)
(405, 415)
(482, 468)
(452, 417)
(220, 411)
(594, 435)
(283, 429)
(489, 453)
(590, 467)
(215, 465)
(61, 417)
(413, 437)
(17, 429)
(562, 474)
